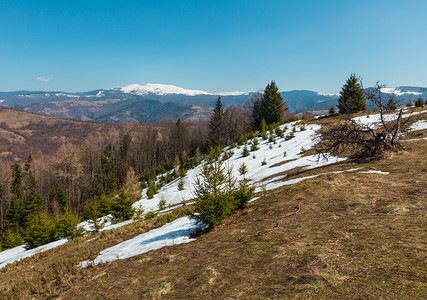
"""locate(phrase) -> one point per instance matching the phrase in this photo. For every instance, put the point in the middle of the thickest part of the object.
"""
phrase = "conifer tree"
(16, 186)
(245, 151)
(391, 105)
(121, 207)
(272, 104)
(14, 214)
(41, 230)
(62, 199)
(419, 102)
(91, 213)
(216, 125)
(352, 97)
(67, 226)
(30, 181)
(214, 200)
(104, 204)
(33, 205)
(263, 129)
(11, 239)
(268, 106)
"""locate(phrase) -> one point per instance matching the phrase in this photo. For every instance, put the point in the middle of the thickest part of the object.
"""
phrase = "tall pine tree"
(352, 97)
(14, 214)
(269, 106)
(216, 125)
(272, 104)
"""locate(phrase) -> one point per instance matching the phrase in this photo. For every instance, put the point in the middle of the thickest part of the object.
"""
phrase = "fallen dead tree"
(360, 140)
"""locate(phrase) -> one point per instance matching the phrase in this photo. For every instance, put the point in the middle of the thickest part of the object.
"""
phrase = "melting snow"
(375, 172)
(419, 125)
(173, 233)
(11, 255)
(415, 139)
(375, 119)
(256, 172)
(179, 230)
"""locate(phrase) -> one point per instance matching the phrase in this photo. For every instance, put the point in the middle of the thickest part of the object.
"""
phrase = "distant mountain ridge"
(155, 102)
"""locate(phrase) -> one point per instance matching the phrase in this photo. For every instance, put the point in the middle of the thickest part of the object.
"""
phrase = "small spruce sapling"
(181, 184)
(152, 189)
(279, 132)
(245, 151)
(419, 102)
(254, 146)
(243, 169)
(263, 129)
(162, 203)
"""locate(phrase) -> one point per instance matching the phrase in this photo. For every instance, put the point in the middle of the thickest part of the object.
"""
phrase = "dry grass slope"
(337, 236)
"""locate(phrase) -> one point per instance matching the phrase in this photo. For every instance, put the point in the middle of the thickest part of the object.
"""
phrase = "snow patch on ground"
(276, 184)
(15, 254)
(419, 125)
(425, 138)
(375, 172)
(106, 222)
(178, 231)
(271, 153)
(173, 233)
(374, 120)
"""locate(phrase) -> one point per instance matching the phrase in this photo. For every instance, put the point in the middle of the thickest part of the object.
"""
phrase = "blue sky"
(216, 46)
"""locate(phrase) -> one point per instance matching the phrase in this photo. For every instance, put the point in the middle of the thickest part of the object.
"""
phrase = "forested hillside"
(315, 229)
(62, 167)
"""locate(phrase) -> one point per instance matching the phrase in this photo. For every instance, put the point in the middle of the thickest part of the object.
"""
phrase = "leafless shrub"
(359, 140)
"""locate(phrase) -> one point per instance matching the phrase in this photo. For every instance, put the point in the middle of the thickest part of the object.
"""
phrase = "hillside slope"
(24, 133)
(356, 230)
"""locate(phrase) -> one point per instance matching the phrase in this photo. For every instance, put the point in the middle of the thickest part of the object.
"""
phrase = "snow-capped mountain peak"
(160, 89)
(400, 91)
(235, 93)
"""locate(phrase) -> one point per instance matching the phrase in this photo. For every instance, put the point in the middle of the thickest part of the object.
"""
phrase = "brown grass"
(356, 236)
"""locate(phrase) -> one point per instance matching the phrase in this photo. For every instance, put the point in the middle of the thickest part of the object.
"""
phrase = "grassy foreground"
(341, 236)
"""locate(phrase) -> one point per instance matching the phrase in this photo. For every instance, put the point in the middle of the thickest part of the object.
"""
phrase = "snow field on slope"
(418, 125)
(256, 171)
(374, 121)
(14, 254)
(173, 233)
(168, 235)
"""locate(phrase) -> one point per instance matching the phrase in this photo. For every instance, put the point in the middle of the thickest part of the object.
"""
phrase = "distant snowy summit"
(166, 89)
(404, 90)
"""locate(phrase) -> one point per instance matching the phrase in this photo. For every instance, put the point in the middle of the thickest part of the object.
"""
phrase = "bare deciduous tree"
(363, 140)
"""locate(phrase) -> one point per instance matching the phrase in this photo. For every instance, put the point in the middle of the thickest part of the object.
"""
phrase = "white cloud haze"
(43, 78)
